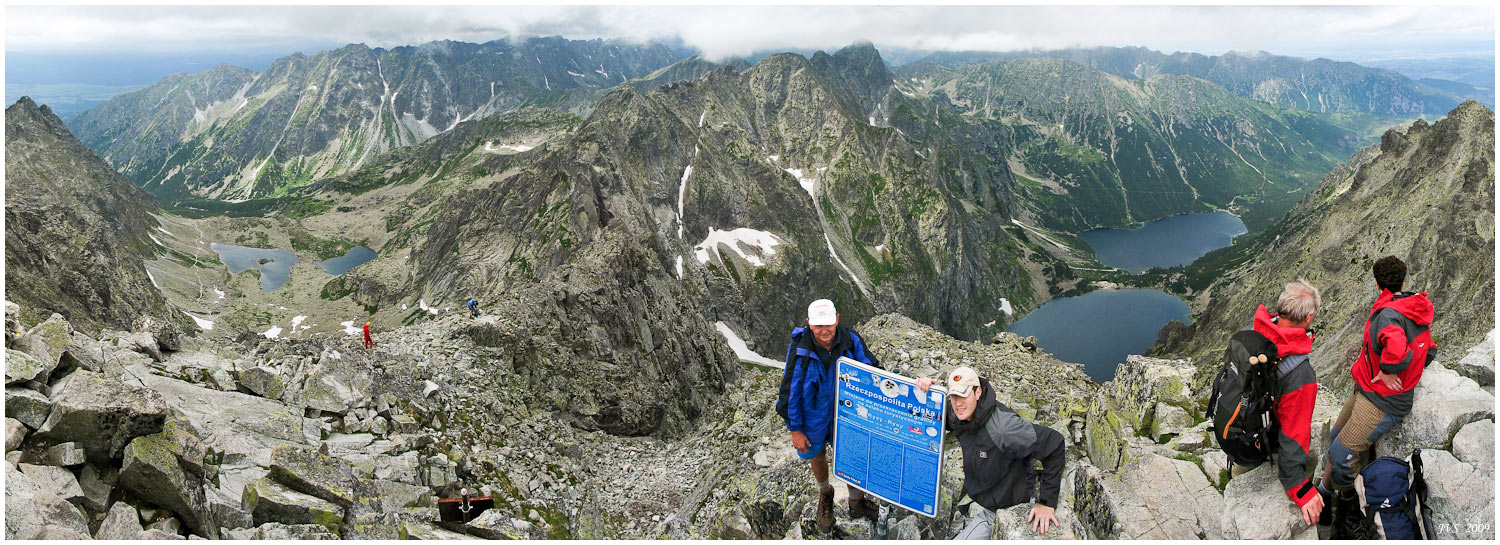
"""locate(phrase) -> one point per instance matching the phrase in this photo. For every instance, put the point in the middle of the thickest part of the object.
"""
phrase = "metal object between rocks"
(463, 508)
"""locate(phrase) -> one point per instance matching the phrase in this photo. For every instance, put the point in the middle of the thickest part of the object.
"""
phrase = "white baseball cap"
(821, 312)
(962, 381)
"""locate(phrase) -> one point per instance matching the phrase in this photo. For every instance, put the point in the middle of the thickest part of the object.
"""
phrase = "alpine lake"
(1100, 328)
(275, 264)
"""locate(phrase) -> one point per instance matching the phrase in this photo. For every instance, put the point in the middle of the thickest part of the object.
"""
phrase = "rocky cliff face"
(232, 134)
(76, 233)
(1425, 195)
(1091, 148)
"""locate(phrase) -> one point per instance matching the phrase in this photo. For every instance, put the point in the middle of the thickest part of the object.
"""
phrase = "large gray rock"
(1168, 421)
(1444, 402)
(33, 512)
(64, 455)
(140, 341)
(403, 468)
(15, 433)
(269, 501)
(22, 367)
(153, 472)
(377, 496)
(1126, 405)
(262, 381)
(96, 486)
(1256, 507)
(56, 480)
(1462, 497)
(1011, 524)
(102, 415)
(1475, 445)
(332, 388)
(121, 523)
(297, 532)
(423, 530)
(1153, 497)
(46, 342)
(498, 524)
(1479, 362)
(225, 501)
(311, 472)
(27, 405)
(233, 422)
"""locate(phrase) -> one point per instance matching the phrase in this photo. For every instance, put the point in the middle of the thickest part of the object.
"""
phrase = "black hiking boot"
(1348, 519)
(1325, 517)
(825, 509)
(865, 508)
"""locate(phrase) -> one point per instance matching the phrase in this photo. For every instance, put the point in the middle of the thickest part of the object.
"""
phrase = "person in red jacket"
(369, 341)
(1395, 350)
(1297, 393)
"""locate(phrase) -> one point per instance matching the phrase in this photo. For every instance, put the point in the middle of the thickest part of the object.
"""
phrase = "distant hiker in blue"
(806, 399)
(473, 305)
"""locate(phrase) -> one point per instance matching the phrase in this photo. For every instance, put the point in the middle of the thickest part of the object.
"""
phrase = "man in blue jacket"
(806, 397)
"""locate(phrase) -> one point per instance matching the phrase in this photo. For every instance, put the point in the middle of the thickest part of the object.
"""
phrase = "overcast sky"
(1340, 32)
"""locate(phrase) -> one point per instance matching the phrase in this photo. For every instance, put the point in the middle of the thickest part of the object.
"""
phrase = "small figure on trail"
(473, 306)
(806, 396)
(999, 449)
(369, 341)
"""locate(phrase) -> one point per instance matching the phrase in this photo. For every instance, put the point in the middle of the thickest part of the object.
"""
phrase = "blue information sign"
(888, 436)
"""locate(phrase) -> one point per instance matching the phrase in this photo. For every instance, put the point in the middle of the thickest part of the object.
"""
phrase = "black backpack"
(1393, 495)
(1243, 404)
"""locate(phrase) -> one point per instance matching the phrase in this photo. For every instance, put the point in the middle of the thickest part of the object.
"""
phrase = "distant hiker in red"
(1395, 350)
(369, 342)
(1296, 393)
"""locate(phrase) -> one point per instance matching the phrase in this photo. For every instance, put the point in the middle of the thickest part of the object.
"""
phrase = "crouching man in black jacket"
(998, 448)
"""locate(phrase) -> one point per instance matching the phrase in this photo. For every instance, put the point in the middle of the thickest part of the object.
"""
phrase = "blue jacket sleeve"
(796, 393)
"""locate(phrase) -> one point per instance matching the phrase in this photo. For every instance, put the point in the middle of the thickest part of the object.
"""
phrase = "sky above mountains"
(122, 46)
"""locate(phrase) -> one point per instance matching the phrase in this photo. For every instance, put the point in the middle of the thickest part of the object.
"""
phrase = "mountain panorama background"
(189, 267)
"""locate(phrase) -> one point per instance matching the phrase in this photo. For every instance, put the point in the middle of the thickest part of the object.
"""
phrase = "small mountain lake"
(340, 265)
(1167, 242)
(275, 264)
(1098, 329)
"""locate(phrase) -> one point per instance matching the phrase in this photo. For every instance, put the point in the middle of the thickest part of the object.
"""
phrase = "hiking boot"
(1348, 519)
(825, 509)
(865, 508)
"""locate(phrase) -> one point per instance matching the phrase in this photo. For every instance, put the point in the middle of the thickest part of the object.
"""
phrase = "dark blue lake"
(274, 264)
(1167, 242)
(1098, 329)
(342, 264)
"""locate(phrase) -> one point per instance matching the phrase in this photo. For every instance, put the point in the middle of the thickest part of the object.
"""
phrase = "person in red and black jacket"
(1394, 351)
(1297, 393)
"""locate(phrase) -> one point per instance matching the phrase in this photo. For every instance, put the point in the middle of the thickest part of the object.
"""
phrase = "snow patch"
(349, 327)
(422, 304)
(1006, 308)
(218, 292)
(403, 306)
(764, 243)
(492, 148)
(991, 324)
(297, 320)
(776, 158)
(169, 233)
(701, 117)
(154, 239)
(681, 193)
(273, 332)
(574, 74)
(810, 185)
(880, 249)
(679, 267)
(743, 351)
(153, 279)
(206, 325)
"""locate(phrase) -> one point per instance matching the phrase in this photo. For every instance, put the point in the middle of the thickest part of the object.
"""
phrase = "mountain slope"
(1093, 149)
(1318, 85)
(228, 134)
(1425, 195)
(75, 231)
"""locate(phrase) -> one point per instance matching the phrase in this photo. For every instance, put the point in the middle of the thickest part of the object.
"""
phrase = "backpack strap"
(1289, 363)
(1371, 516)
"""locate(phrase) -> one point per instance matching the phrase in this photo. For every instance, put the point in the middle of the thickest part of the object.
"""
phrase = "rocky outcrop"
(1479, 363)
(152, 471)
(1462, 496)
(1148, 397)
(35, 512)
(76, 232)
(1152, 497)
(1443, 403)
(269, 501)
(1255, 507)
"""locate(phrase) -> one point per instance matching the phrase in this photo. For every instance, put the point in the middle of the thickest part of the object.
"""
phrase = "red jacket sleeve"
(1393, 357)
(1294, 413)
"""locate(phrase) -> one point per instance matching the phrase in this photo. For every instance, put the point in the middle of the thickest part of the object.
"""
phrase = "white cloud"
(738, 30)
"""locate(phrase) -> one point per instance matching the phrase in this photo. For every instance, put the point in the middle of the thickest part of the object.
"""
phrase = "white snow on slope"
(764, 244)
(169, 233)
(153, 279)
(810, 185)
(1006, 308)
(273, 332)
(154, 239)
(296, 321)
(742, 351)
(219, 293)
(681, 193)
(492, 148)
(350, 328)
(206, 325)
